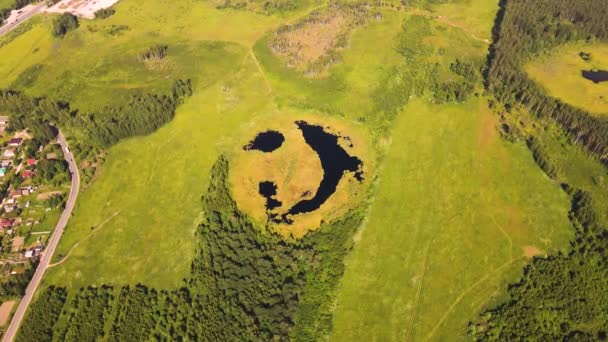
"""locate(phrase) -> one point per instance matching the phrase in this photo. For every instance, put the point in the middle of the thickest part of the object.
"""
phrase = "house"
(8, 153)
(15, 142)
(6, 223)
(25, 191)
(8, 209)
(29, 253)
(27, 174)
(6, 163)
(31, 162)
(15, 193)
(2, 171)
(3, 120)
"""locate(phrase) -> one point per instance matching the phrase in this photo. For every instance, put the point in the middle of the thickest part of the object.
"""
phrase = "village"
(32, 189)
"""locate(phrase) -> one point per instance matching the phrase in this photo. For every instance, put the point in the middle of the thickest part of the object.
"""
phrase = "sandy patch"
(5, 311)
(531, 251)
(18, 242)
(46, 195)
(81, 8)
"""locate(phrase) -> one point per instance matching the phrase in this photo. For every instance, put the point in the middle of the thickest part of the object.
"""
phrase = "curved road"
(47, 254)
(23, 17)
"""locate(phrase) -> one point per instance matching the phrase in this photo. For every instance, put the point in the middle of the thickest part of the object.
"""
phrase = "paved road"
(9, 335)
(24, 16)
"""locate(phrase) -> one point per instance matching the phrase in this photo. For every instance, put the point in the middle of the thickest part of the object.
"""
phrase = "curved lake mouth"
(335, 161)
(267, 141)
(596, 76)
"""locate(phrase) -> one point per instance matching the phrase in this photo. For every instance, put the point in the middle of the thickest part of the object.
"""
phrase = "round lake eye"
(267, 141)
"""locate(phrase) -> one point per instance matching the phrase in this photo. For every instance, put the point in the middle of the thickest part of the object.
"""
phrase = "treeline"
(246, 284)
(42, 317)
(542, 158)
(16, 284)
(141, 115)
(87, 313)
(527, 28)
(563, 297)
(417, 77)
(18, 4)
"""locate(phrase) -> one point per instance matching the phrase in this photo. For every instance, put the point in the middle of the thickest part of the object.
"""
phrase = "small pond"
(267, 141)
(596, 76)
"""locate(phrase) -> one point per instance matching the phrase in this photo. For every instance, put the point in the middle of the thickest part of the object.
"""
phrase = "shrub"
(104, 13)
(64, 23)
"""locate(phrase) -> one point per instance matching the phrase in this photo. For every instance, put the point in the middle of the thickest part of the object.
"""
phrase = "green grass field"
(560, 74)
(453, 218)
(457, 211)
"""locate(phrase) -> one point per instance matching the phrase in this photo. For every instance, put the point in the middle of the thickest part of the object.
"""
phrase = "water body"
(335, 162)
(266, 142)
(596, 76)
(268, 190)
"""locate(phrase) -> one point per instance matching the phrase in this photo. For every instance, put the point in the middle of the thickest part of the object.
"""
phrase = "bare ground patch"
(313, 44)
(18, 242)
(531, 251)
(46, 195)
(5, 311)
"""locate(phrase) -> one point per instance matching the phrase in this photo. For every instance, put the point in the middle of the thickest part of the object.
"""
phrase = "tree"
(64, 23)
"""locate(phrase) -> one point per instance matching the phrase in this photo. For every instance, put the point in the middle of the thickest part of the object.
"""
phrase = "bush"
(156, 52)
(64, 23)
(104, 13)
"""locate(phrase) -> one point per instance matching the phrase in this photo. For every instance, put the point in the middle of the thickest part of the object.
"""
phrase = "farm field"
(454, 220)
(559, 72)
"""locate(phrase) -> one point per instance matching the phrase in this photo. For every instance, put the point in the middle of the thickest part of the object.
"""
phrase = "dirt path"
(463, 294)
(257, 64)
(84, 239)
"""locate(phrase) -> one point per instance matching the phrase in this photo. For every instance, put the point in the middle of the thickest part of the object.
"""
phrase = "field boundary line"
(419, 289)
(504, 232)
(84, 239)
(462, 295)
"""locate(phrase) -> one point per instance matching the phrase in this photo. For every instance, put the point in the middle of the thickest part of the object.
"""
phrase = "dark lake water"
(596, 76)
(335, 161)
(268, 190)
(266, 142)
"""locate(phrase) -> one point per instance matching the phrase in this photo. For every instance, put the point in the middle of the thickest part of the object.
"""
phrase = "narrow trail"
(84, 239)
(463, 294)
(257, 64)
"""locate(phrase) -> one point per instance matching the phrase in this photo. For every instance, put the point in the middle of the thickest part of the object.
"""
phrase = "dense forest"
(246, 284)
(527, 28)
(141, 115)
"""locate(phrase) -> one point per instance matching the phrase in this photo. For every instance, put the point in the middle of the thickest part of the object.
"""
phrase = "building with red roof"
(27, 174)
(6, 223)
(31, 162)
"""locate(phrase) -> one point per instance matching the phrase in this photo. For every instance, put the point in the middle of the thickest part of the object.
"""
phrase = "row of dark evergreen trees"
(141, 115)
(526, 28)
(246, 284)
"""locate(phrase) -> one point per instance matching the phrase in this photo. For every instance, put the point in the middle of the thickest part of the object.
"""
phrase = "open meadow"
(560, 73)
(456, 216)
